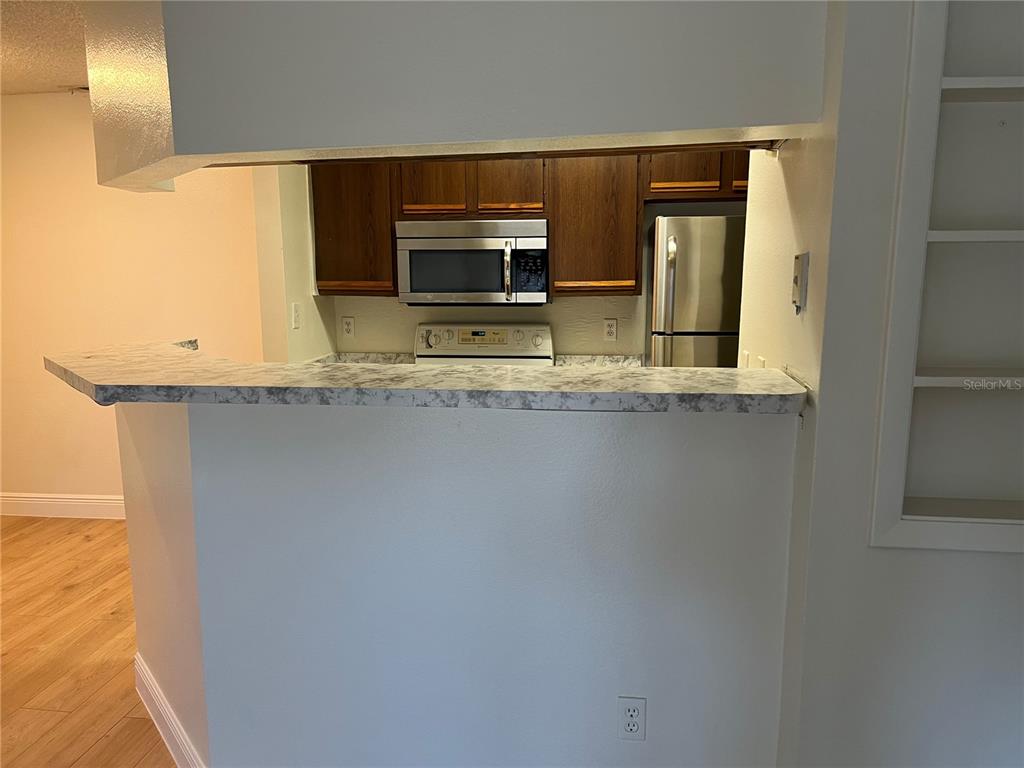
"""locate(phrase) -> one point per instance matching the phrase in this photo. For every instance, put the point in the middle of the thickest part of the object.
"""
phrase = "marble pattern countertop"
(395, 358)
(179, 373)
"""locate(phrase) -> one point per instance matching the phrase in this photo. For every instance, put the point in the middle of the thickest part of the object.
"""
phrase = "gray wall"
(157, 472)
(420, 586)
(283, 75)
(910, 657)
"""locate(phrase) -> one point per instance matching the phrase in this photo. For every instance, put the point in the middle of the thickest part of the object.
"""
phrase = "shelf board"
(976, 235)
(1008, 511)
(981, 379)
(1007, 88)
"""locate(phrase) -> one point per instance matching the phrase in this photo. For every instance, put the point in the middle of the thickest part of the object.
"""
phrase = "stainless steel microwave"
(473, 262)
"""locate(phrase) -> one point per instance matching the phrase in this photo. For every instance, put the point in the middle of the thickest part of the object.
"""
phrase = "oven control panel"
(484, 340)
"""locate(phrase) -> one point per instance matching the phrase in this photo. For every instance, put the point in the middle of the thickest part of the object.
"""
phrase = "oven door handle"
(508, 270)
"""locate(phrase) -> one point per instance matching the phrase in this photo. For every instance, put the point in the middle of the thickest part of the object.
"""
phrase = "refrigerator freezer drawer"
(699, 351)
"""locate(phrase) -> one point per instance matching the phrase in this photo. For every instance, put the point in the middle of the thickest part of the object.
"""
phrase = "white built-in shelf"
(1008, 511)
(976, 235)
(1006, 88)
(972, 379)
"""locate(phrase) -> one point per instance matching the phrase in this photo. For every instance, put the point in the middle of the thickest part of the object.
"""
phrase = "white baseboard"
(171, 730)
(62, 505)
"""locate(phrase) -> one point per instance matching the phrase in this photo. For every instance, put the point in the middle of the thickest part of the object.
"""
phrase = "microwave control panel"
(531, 272)
(464, 339)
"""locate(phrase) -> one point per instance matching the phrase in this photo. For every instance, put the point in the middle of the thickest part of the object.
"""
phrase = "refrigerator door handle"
(669, 296)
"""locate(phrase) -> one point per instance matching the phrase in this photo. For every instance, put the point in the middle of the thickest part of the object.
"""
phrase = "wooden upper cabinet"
(689, 173)
(434, 186)
(593, 224)
(352, 228)
(740, 170)
(510, 186)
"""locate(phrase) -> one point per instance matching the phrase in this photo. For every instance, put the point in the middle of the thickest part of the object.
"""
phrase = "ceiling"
(42, 47)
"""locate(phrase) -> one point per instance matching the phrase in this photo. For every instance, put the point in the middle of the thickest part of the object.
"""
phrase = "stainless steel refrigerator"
(694, 314)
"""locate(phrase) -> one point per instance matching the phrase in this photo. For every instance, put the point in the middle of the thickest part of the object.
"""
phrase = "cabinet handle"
(508, 270)
(594, 284)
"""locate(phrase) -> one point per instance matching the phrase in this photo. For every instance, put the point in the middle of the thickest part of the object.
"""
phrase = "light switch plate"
(611, 329)
(800, 265)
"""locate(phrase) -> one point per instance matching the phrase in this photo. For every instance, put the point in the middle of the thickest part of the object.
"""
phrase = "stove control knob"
(537, 339)
(449, 335)
(518, 336)
(434, 340)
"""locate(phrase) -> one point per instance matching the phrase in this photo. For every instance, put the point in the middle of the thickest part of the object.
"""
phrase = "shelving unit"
(986, 379)
(999, 88)
(963, 510)
(950, 452)
(976, 236)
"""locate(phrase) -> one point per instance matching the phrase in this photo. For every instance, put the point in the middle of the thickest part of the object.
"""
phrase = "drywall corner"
(156, 468)
(129, 89)
(316, 335)
(285, 254)
(270, 263)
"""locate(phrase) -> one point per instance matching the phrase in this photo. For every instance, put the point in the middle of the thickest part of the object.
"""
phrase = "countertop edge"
(126, 374)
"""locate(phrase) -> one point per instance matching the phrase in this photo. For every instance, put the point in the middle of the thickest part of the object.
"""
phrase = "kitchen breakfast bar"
(303, 546)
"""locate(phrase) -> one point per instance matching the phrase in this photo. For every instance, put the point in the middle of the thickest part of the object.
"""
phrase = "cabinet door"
(352, 228)
(592, 230)
(434, 187)
(510, 186)
(740, 170)
(689, 174)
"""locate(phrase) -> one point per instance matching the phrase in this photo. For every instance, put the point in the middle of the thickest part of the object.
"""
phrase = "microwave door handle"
(508, 270)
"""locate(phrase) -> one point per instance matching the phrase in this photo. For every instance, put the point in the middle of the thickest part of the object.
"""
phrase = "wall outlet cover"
(631, 720)
(348, 327)
(611, 329)
(296, 316)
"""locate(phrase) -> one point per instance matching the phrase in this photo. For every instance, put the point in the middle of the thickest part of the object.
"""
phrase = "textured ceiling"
(42, 46)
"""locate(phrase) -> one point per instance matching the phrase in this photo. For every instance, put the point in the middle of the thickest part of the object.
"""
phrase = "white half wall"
(281, 81)
(282, 75)
(910, 657)
(157, 471)
(359, 584)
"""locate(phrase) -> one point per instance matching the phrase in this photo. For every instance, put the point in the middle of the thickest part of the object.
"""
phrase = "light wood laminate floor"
(67, 628)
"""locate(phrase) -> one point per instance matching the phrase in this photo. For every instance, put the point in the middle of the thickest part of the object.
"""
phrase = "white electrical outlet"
(761, 362)
(746, 358)
(632, 718)
(348, 327)
(611, 329)
(296, 317)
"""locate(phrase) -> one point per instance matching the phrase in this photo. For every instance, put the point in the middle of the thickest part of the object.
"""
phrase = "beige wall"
(284, 242)
(85, 266)
(577, 322)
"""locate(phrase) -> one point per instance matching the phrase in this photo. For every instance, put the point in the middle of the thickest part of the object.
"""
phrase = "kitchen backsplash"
(577, 322)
